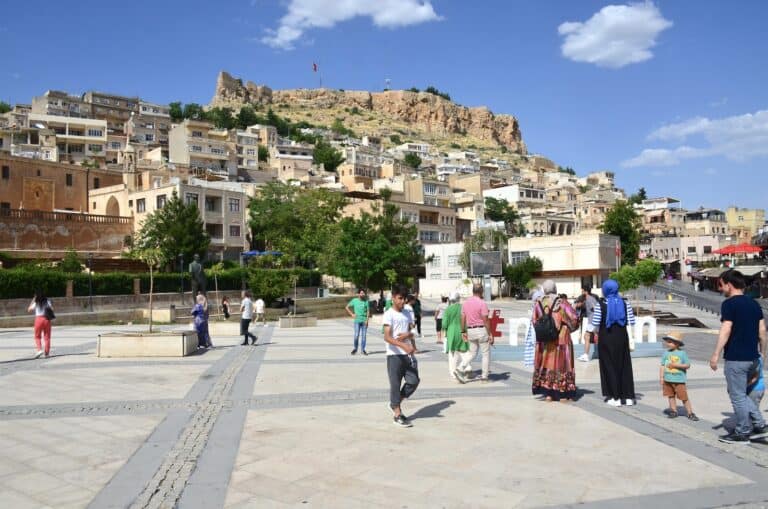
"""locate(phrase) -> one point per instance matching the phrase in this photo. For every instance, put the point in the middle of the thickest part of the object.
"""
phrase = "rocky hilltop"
(428, 113)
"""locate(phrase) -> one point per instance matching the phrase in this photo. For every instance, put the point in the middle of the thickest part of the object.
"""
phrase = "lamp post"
(181, 275)
(90, 281)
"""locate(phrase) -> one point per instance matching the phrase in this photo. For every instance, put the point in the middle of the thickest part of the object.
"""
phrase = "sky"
(672, 96)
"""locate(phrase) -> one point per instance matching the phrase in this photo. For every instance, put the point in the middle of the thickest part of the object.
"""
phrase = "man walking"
(246, 308)
(476, 327)
(401, 362)
(743, 337)
(260, 315)
(359, 309)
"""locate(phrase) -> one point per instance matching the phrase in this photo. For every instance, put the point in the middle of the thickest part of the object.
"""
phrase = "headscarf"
(616, 311)
(549, 287)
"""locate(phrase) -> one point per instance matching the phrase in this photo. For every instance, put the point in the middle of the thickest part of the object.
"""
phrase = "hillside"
(413, 116)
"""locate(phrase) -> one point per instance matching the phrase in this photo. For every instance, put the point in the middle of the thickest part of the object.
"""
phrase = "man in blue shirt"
(743, 338)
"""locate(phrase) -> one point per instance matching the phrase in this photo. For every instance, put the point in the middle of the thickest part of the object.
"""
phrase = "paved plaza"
(297, 421)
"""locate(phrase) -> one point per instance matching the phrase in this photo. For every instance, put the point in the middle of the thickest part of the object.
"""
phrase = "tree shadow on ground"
(432, 410)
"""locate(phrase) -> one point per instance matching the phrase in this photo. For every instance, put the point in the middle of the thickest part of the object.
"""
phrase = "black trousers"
(399, 368)
(244, 324)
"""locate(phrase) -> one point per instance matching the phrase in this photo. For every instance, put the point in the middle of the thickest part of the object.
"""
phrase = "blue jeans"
(747, 413)
(361, 329)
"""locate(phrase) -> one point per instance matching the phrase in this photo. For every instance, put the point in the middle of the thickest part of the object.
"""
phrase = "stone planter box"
(291, 322)
(177, 343)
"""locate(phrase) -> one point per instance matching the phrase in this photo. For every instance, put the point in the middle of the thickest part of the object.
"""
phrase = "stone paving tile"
(58, 470)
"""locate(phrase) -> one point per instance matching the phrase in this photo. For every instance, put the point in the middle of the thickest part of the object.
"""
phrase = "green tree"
(177, 114)
(339, 128)
(4, 107)
(193, 111)
(412, 160)
(221, 117)
(377, 248)
(154, 258)
(638, 197)
(434, 91)
(414, 89)
(175, 229)
(246, 117)
(395, 138)
(627, 278)
(500, 210)
(328, 156)
(263, 153)
(622, 220)
(70, 262)
(520, 274)
(283, 126)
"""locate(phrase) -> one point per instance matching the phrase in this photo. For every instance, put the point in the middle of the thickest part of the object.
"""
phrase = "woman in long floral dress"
(553, 373)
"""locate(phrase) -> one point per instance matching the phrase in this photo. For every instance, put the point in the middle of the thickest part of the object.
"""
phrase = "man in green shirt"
(359, 309)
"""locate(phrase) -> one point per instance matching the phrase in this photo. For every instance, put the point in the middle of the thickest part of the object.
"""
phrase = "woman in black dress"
(612, 317)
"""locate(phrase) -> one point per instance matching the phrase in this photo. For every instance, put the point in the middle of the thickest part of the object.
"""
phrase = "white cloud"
(615, 36)
(720, 102)
(304, 15)
(739, 138)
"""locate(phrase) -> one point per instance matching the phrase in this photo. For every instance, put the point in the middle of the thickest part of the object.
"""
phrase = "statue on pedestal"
(197, 276)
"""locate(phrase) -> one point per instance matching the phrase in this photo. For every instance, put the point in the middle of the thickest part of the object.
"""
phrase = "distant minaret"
(387, 83)
(128, 156)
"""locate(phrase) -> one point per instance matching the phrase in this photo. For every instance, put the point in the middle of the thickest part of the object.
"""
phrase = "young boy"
(674, 365)
(401, 363)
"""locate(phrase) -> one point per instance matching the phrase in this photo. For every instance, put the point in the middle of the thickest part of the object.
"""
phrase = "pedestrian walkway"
(296, 420)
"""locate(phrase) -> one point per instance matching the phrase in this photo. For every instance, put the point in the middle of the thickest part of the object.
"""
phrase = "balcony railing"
(58, 217)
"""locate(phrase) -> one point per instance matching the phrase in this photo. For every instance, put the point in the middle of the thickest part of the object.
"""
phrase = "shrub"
(70, 262)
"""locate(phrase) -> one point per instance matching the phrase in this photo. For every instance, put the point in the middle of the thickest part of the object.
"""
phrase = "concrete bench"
(177, 343)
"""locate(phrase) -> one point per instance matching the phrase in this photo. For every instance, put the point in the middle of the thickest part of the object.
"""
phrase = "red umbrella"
(738, 249)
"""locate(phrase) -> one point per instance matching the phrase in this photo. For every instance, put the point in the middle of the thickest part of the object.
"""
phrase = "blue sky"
(671, 96)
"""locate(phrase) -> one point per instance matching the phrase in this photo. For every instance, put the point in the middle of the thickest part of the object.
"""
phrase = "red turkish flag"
(314, 67)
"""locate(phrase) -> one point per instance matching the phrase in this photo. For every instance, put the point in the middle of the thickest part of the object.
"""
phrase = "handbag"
(48, 313)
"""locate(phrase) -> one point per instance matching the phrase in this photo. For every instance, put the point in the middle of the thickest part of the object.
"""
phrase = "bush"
(70, 263)
(396, 139)
(22, 282)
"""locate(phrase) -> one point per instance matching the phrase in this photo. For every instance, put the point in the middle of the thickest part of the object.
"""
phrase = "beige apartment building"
(114, 109)
(661, 217)
(706, 222)
(744, 223)
(569, 261)
(77, 139)
(199, 145)
(55, 102)
(223, 207)
(293, 162)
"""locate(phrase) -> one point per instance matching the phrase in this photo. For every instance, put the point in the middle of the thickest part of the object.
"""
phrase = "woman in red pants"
(42, 324)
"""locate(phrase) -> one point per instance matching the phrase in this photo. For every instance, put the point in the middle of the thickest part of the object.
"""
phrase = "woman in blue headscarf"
(612, 317)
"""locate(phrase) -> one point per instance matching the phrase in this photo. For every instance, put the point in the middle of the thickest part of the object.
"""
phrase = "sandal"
(671, 414)
(693, 417)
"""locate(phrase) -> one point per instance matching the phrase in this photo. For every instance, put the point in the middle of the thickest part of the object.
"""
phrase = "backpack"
(545, 327)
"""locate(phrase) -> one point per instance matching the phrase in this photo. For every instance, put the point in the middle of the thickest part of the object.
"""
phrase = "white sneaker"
(629, 402)
(584, 357)
(38, 354)
(613, 402)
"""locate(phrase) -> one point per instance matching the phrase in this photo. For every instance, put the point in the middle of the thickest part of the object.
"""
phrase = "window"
(5, 205)
(130, 204)
(94, 148)
(160, 201)
(96, 182)
(141, 205)
(149, 137)
(115, 145)
(691, 249)
(234, 205)
(192, 198)
(250, 152)
(516, 257)
(197, 134)
(455, 275)
(196, 148)
(217, 150)
(453, 260)
(707, 249)
(234, 230)
(94, 132)
(76, 149)
(94, 206)
(69, 180)
(435, 263)
(210, 205)
(6, 172)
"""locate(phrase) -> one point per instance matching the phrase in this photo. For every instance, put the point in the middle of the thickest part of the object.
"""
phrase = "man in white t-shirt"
(401, 362)
(260, 311)
(246, 308)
